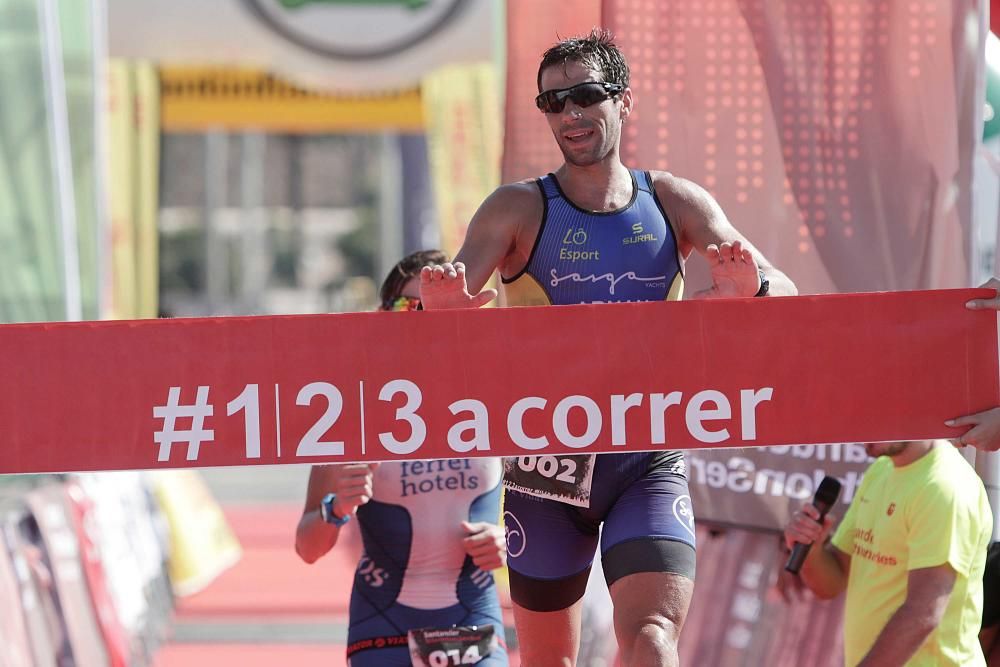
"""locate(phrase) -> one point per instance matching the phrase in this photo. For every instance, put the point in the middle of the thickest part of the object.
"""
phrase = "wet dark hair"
(407, 268)
(596, 51)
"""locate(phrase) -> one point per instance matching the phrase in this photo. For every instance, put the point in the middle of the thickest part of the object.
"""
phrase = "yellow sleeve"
(945, 523)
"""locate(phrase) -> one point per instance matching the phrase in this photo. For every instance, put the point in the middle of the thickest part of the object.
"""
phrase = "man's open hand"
(734, 272)
(443, 287)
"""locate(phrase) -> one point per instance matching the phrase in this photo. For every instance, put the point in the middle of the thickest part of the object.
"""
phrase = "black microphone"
(825, 498)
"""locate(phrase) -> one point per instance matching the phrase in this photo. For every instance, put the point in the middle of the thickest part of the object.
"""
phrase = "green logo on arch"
(411, 4)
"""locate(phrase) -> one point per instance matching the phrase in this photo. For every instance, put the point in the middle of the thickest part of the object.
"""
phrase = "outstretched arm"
(491, 243)
(703, 226)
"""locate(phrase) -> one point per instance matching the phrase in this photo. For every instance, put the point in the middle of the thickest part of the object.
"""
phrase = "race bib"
(563, 478)
(453, 646)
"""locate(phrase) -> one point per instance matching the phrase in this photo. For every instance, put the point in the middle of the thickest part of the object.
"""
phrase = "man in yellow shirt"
(910, 553)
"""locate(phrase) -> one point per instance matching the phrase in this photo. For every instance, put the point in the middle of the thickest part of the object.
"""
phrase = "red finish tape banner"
(492, 382)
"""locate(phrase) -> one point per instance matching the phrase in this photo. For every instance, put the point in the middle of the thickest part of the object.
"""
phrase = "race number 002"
(562, 469)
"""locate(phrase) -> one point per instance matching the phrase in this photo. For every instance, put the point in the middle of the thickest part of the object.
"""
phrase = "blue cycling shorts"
(640, 512)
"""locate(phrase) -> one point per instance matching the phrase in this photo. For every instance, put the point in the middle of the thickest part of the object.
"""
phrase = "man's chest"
(626, 257)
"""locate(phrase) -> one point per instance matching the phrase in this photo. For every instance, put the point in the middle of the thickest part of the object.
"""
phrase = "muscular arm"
(497, 238)
(927, 593)
(493, 230)
(701, 224)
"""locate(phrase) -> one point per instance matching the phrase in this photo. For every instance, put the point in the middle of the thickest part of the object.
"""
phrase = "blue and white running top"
(414, 572)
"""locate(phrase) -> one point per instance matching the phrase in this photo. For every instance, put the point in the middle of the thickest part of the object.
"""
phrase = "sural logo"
(639, 235)
(891, 510)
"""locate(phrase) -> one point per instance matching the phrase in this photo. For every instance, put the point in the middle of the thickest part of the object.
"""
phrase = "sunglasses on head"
(401, 303)
(582, 94)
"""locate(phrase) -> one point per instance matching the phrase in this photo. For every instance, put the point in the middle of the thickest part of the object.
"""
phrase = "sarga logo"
(355, 29)
(609, 278)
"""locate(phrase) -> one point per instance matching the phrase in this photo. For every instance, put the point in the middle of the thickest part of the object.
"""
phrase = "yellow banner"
(462, 107)
(195, 99)
(202, 545)
(121, 166)
(133, 128)
(146, 182)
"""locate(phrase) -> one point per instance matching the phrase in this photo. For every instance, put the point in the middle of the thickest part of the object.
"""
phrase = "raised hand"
(486, 544)
(734, 272)
(444, 287)
(352, 482)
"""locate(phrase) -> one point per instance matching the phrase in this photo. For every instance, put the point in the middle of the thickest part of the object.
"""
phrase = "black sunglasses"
(582, 94)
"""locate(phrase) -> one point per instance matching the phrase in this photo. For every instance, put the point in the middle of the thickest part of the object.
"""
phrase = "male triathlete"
(596, 231)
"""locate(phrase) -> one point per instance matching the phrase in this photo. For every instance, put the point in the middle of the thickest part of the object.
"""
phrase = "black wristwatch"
(326, 511)
(765, 284)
